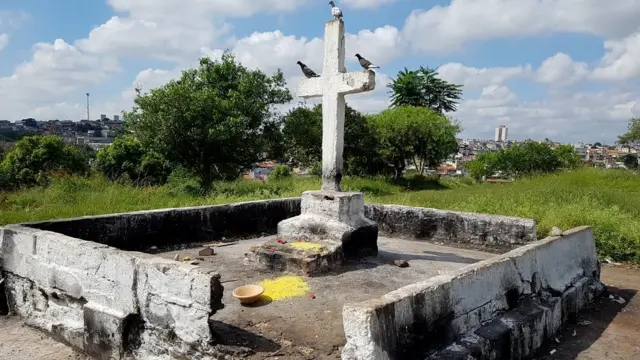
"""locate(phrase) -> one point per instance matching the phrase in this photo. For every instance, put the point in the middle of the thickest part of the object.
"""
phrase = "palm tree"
(423, 88)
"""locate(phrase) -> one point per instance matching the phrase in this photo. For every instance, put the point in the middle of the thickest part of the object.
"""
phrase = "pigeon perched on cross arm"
(335, 11)
(306, 71)
(366, 64)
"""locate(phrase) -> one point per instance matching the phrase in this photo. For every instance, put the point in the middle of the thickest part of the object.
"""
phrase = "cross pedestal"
(332, 227)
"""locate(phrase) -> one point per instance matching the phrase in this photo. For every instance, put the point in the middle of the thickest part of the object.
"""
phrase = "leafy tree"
(302, 133)
(423, 88)
(630, 161)
(414, 134)
(273, 140)
(633, 133)
(569, 158)
(35, 158)
(5, 147)
(483, 166)
(126, 158)
(211, 120)
(524, 159)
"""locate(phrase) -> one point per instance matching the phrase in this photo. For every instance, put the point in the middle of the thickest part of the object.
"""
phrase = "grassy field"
(605, 199)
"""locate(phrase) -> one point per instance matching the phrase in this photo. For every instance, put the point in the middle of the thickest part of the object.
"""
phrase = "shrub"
(35, 158)
(126, 159)
(524, 159)
(280, 172)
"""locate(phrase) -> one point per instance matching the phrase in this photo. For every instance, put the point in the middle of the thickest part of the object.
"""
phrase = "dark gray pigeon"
(366, 64)
(306, 71)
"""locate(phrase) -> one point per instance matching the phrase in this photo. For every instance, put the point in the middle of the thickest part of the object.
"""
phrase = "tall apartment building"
(501, 133)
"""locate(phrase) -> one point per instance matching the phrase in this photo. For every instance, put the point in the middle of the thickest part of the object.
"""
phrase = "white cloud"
(186, 10)
(561, 70)
(274, 50)
(180, 31)
(366, 4)
(150, 39)
(380, 46)
(622, 60)
(492, 96)
(447, 28)
(568, 116)
(475, 78)
(174, 30)
(4, 41)
(56, 71)
(635, 110)
(13, 19)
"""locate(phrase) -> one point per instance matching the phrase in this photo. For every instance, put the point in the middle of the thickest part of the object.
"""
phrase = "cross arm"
(354, 82)
(309, 88)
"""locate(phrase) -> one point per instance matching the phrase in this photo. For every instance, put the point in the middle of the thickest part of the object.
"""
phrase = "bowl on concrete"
(248, 294)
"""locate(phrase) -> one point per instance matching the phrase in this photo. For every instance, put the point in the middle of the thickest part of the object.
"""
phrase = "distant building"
(501, 133)
(116, 117)
(103, 117)
(6, 125)
(262, 171)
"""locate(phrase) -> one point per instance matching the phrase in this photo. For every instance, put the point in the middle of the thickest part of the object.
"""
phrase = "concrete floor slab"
(310, 325)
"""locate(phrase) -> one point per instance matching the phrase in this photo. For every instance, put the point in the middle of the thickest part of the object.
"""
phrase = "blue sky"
(566, 70)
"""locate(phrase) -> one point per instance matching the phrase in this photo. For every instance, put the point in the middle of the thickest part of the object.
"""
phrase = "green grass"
(604, 199)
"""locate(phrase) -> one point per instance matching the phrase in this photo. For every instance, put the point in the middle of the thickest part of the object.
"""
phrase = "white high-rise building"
(501, 133)
(116, 117)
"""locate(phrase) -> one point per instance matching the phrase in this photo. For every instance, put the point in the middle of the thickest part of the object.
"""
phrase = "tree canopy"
(524, 159)
(417, 135)
(633, 133)
(127, 159)
(211, 120)
(302, 132)
(34, 159)
(423, 88)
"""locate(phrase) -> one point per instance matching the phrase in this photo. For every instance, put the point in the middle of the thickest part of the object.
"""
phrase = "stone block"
(178, 296)
(333, 226)
(344, 207)
(527, 325)
(207, 251)
(497, 336)
(4, 304)
(303, 257)
(103, 332)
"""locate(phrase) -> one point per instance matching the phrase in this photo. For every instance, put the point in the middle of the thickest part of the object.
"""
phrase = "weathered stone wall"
(452, 226)
(525, 295)
(140, 230)
(106, 301)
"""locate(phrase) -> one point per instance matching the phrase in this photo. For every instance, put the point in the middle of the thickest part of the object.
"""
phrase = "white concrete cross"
(332, 86)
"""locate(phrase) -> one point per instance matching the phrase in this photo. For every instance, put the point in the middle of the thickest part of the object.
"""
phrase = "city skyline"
(561, 70)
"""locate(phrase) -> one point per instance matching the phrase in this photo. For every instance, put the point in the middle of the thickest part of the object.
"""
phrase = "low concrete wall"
(140, 230)
(452, 226)
(525, 294)
(105, 301)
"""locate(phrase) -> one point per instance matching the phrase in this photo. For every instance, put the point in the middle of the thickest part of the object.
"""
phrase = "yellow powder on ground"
(301, 245)
(285, 287)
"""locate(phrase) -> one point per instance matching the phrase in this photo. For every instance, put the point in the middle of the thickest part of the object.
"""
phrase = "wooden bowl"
(248, 294)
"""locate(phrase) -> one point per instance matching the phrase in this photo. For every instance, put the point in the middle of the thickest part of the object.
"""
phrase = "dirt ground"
(607, 330)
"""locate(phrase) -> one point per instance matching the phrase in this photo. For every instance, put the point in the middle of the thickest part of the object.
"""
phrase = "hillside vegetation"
(604, 199)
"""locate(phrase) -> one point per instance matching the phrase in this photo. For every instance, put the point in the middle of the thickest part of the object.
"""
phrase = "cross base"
(331, 230)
